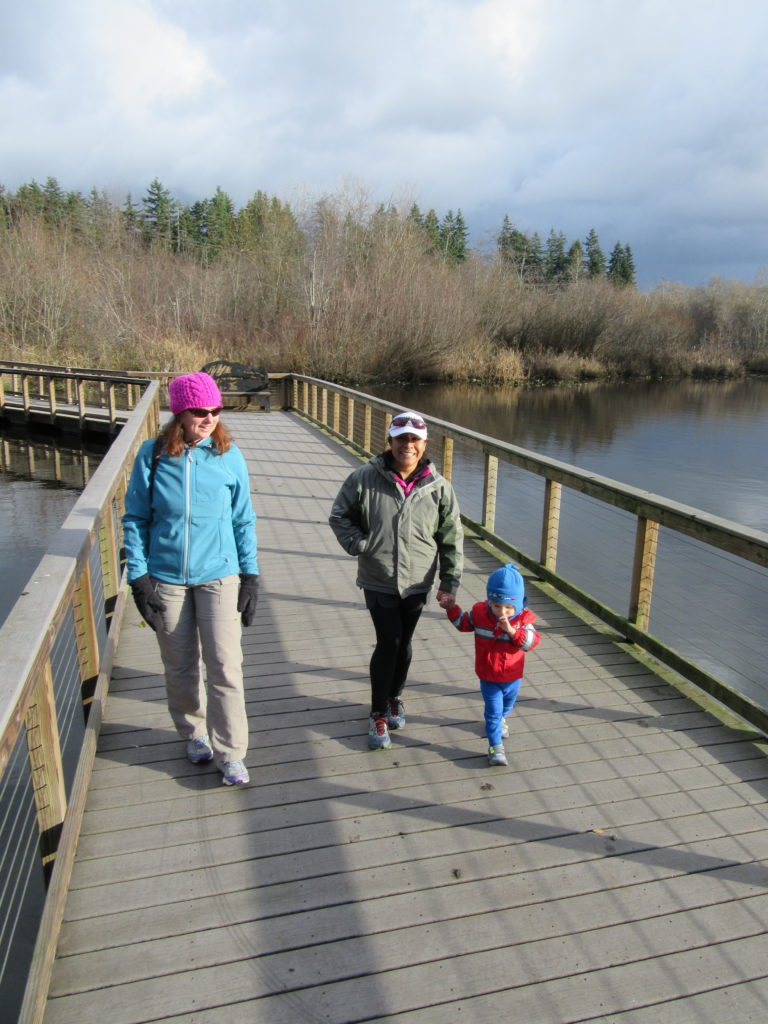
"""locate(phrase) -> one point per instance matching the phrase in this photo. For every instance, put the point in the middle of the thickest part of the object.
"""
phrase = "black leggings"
(394, 619)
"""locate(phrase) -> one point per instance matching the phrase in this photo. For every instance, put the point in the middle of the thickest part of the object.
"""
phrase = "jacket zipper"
(187, 475)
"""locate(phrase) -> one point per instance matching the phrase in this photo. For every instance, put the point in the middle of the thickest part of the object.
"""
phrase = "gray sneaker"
(199, 749)
(497, 756)
(234, 773)
(378, 733)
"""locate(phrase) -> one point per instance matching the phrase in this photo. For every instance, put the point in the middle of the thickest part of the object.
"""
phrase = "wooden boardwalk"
(617, 870)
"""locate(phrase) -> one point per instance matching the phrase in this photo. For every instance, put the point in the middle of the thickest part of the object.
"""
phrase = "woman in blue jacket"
(190, 545)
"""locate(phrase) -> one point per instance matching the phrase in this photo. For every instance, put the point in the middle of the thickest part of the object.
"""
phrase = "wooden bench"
(242, 383)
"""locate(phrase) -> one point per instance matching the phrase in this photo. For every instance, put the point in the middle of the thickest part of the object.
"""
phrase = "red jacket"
(499, 657)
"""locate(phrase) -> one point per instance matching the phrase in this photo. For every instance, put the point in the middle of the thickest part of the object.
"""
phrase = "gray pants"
(204, 618)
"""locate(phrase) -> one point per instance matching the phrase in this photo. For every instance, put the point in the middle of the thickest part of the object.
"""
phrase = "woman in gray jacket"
(400, 518)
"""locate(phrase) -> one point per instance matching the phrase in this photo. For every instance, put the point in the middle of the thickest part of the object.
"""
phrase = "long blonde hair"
(172, 438)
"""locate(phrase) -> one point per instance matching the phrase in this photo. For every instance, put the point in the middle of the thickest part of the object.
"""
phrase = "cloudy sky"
(645, 120)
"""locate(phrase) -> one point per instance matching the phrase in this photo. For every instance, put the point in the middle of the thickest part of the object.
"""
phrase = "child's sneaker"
(234, 773)
(396, 714)
(497, 756)
(199, 749)
(378, 733)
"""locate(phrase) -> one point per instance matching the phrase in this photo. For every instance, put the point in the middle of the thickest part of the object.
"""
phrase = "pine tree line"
(211, 226)
(555, 262)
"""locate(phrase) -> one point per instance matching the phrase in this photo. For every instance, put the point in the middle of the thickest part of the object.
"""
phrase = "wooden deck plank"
(617, 868)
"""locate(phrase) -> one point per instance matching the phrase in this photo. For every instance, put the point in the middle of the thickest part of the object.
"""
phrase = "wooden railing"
(80, 398)
(58, 644)
(361, 422)
(77, 399)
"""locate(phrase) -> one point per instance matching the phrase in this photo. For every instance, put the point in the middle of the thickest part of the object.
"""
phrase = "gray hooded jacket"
(400, 541)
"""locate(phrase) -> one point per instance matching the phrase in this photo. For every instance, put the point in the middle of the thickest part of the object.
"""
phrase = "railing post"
(46, 765)
(490, 482)
(108, 549)
(52, 398)
(305, 396)
(336, 411)
(447, 460)
(81, 402)
(351, 419)
(550, 527)
(85, 630)
(25, 394)
(324, 406)
(367, 428)
(643, 568)
(111, 404)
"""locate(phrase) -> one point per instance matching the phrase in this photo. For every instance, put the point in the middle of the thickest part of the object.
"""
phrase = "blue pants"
(499, 699)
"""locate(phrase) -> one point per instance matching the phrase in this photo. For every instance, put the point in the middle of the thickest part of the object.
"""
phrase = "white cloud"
(140, 59)
(641, 120)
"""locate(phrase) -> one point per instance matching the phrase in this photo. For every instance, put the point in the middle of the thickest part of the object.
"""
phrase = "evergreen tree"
(76, 212)
(629, 267)
(574, 262)
(517, 249)
(535, 259)
(131, 214)
(432, 232)
(621, 266)
(452, 235)
(221, 216)
(415, 215)
(594, 259)
(555, 259)
(157, 216)
(29, 200)
(53, 202)
(504, 240)
(98, 217)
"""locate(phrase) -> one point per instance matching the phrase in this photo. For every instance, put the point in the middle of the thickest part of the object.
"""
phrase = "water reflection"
(701, 443)
(40, 480)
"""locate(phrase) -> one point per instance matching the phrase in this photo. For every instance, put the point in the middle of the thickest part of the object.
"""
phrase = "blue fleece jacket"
(201, 523)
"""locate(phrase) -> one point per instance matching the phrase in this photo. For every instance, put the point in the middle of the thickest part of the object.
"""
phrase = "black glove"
(149, 604)
(248, 597)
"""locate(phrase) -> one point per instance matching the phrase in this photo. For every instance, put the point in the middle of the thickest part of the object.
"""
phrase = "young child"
(504, 631)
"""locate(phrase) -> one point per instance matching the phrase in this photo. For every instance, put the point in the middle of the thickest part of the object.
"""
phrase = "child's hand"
(446, 601)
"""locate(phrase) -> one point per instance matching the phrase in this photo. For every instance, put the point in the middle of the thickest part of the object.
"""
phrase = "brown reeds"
(352, 294)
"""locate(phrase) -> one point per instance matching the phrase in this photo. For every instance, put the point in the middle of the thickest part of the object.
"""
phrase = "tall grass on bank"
(354, 296)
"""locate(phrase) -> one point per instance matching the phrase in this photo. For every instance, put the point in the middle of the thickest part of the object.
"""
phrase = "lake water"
(40, 481)
(700, 443)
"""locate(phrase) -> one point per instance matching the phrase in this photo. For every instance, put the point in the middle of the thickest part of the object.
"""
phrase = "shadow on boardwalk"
(616, 870)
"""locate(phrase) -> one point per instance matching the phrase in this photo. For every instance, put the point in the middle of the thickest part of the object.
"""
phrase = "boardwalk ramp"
(615, 871)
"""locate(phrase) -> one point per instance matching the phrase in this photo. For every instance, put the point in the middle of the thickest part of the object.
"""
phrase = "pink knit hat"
(193, 391)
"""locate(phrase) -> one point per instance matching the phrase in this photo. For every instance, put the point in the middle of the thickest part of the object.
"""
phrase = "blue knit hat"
(506, 586)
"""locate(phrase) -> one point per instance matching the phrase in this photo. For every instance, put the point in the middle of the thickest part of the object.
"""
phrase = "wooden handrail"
(69, 605)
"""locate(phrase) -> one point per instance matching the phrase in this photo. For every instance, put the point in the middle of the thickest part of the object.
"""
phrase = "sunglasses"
(200, 414)
(404, 421)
